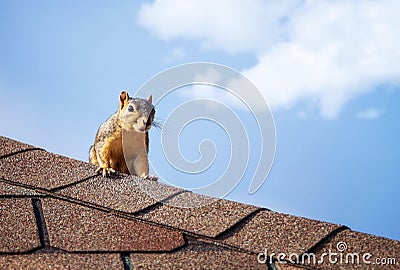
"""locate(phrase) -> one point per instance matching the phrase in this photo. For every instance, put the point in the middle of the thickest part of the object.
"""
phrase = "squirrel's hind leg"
(95, 161)
(103, 160)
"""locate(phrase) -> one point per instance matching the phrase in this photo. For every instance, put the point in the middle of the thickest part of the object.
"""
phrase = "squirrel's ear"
(150, 99)
(123, 99)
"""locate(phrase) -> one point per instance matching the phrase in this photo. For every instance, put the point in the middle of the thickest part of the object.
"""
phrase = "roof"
(56, 212)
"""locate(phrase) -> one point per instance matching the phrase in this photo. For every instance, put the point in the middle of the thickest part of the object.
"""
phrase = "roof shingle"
(350, 242)
(18, 230)
(279, 233)
(61, 261)
(209, 219)
(8, 146)
(121, 193)
(197, 256)
(73, 227)
(12, 190)
(42, 169)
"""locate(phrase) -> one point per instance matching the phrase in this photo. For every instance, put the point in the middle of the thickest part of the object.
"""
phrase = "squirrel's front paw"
(151, 177)
(148, 177)
(105, 171)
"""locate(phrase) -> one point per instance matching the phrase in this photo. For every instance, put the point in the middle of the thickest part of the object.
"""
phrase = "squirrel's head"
(136, 113)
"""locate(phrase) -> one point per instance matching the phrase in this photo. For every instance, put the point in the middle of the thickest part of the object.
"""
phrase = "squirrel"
(122, 141)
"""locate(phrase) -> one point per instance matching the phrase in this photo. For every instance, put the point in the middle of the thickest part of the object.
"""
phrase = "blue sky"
(329, 71)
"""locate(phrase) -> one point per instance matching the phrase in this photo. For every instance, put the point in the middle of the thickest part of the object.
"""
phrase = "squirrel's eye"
(130, 108)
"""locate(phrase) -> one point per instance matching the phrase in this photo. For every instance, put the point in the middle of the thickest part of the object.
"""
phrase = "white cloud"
(327, 52)
(231, 25)
(370, 114)
(209, 91)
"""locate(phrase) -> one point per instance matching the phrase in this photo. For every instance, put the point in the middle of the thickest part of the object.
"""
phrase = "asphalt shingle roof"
(56, 212)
